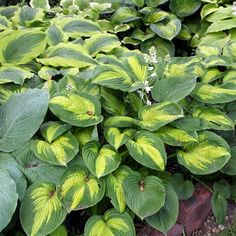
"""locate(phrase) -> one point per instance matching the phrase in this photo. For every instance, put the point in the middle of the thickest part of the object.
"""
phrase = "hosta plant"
(112, 111)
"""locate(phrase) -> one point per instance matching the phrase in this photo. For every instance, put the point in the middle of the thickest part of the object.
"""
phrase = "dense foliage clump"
(114, 109)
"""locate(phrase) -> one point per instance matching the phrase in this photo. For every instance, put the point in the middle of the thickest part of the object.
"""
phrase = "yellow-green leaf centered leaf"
(208, 156)
(110, 224)
(79, 109)
(155, 116)
(41, 211)
(79, 189)
(58, 152)
(148, 150)
(100, 161)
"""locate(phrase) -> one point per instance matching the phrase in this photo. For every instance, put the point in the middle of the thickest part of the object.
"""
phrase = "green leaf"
(76, 26)
(8, 164)
(84, 135)
(155, 3)
(8, 198)
(208, 156)
(148, 150)
(124, 15)
(219, 207)
(32, 43)
(222, 25)
(208, 50)
(230, 167)
(157, 115)
(21, 116)
(144, 196)
(79, 109)
(127, 75)
(35, 169)
(173, 90)
(164, 219)
(60, 231)
(214, 94)
(41, 211)
(116, 137)
(115, 190)
(101, 161)
(167, 29)
(59, 152)
(14, 74)
(176, 137)
(111, 223)
(66, 55)
(44, 4)
(112, 103)
(102, 42)
(53, 129)
(184, 8)
(121, 122)
(213, 118)
(55, 35)
(79, 189)
(183, 188)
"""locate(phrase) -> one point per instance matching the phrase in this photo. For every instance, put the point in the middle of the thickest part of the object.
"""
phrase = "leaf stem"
(171, 155)
(205, 185)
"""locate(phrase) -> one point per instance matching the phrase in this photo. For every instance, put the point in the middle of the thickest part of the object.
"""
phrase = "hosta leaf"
(155, 3)
(44, 4)
(219, 207)
(125, 76)
(230, 167)
(32, 43)
(148, 150)
(21, 116)
(121, 122)
(144, 196)
(67, 55)
(155, 116)
(8, 198)
(35, 169)
(77, 26)
(59, 152)
(222, 25)
(184, 8)
(9, 164)
(112, 103)
(124, 15)
(163, 47)
(80, 109)
(14, 74)
(79, 189)
(27, 16)
(103, 42)
(100, 161)
(183, 188)
(115, 189)
(167, 28)
(164, 219)
(41, 211)
(116, 137)
(84, 135)
(208, 50)
(188, 124)
(53, 129)
(214, 94)
(55, 35)
(173, 90)
(213, 118)
(111, 223)
(176, 137)
(208, 156)
(60, 231)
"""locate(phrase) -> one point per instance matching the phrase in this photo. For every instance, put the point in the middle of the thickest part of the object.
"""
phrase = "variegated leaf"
(78, 189)
(148, 149)
(100, 161)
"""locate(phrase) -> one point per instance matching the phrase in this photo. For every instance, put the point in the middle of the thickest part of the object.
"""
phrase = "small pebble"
(226, 218)
(221, 227)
